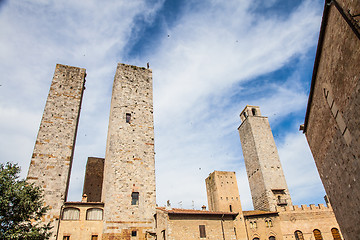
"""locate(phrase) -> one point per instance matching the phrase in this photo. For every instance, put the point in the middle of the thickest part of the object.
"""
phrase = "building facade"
(333, 118)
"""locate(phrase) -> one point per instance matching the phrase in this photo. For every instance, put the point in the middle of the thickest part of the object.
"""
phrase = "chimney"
(84, 198)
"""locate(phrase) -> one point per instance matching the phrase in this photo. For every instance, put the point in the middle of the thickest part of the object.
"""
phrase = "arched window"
(253, 111)
(272, 238)
(298, 235)
(255, 224)
(268, 223)
(71, 214)
(317, 234)
(94, 214)
(336, 234)
(256, 238)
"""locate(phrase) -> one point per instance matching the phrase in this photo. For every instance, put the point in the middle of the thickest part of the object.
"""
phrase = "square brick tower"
(223, 196)
(266, 177)
(129, 171)
(53, 152)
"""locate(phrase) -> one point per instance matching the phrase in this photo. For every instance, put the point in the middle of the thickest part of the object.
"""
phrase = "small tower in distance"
(223, 196)
(222, 192)
(266, 177)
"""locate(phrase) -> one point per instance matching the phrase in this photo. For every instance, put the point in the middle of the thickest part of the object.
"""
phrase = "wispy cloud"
(208, 59)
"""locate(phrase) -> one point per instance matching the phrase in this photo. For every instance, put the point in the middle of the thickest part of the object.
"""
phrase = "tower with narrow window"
(266, 177)
(129, 171)
(223, 196)
(53, 152)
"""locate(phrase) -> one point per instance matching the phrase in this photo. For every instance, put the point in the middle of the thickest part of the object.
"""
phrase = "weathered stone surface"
(53, 152)
(223, 195)
(334, 139)
(94, 179)
(81, 228)
(180, 224)
(266, 177)
(129, 160)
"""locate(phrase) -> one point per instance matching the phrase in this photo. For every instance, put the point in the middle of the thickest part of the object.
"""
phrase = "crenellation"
(304, 207)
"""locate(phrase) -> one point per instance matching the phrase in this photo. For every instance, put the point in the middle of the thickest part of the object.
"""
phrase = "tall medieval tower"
(129, 171)
(223, 196)
(53, 152)
(266, 177)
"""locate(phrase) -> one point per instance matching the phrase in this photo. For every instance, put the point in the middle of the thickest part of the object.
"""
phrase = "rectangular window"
(128, 117)
(135, 198)
(133, 233)
(66, 238)
(202, 231)
(94, 237)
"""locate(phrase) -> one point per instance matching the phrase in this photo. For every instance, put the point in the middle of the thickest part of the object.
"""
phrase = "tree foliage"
(21, 207)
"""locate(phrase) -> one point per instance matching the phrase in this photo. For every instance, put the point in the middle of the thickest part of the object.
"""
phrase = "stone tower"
(53, 152)
(223, 196)
(129, 171)
(266, 177)
(93, 181)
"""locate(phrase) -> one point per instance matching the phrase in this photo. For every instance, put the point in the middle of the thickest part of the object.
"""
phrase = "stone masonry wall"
(94, 179)
(129, 159)
(82, 228)
(223, 195)
(265, 174)
(333, 131)
(180, 227)
(53, 152)
(306, 219)
(257, 226)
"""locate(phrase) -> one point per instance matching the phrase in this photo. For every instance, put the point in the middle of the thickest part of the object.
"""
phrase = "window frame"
(135, 197)
(202, 231)
(128, 117)
(67, 209)
(89, 209)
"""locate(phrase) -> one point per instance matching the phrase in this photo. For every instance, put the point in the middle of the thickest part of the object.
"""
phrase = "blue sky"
(209, 59)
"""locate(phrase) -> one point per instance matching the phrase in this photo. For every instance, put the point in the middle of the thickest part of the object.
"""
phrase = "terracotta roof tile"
(257, 212)
(192, 211)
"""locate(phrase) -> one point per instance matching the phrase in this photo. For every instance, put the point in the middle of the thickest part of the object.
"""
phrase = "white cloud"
(196, 70)
(300, 170)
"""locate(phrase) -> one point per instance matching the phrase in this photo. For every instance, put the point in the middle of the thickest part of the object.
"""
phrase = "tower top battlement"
(250, 110)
